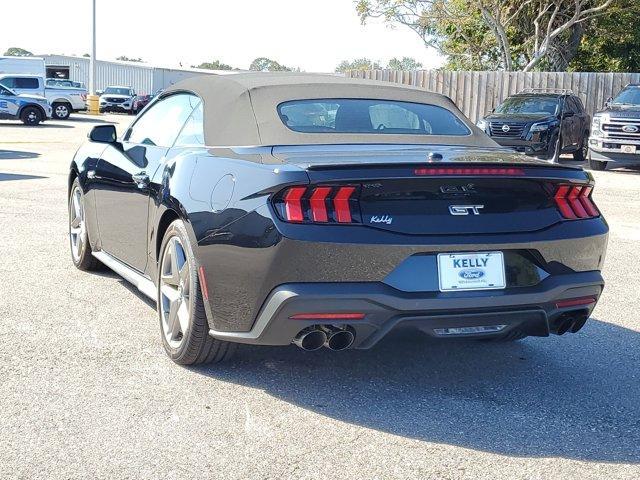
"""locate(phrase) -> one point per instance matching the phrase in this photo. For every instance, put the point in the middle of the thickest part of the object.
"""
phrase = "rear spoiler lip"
(359, 165)
(371, 171)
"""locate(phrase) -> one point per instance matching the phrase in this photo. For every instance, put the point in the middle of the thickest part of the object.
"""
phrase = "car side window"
(193, 131)
(162, 122)
(9, 82)
(27, 83)
(572, 106)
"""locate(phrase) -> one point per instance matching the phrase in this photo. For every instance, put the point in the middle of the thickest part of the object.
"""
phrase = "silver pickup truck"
(64, 100)
(615, 130)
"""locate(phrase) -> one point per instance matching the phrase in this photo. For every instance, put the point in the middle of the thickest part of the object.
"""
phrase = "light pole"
(93, 98)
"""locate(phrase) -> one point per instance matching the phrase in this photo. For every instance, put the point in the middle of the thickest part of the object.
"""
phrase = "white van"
(23, 66)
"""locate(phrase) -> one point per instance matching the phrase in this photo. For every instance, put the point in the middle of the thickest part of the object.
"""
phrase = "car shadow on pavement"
(576, 396)
(4, 177)
(88, 119)
(17, 155)
(36, 127)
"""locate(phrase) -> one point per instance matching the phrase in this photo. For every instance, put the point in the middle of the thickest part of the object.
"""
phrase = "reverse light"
(574, 202)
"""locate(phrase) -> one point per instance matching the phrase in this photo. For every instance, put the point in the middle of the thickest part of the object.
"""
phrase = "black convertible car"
(278, 208)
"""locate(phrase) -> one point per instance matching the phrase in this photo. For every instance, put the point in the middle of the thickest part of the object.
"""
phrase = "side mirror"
(103, 134)
(99, 92)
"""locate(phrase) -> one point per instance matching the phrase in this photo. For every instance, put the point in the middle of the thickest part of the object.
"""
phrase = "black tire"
(61, 110)
(580, 155)
(196, 345)
(31, 116)
(81, 256)
(553, 150)
(597, 165)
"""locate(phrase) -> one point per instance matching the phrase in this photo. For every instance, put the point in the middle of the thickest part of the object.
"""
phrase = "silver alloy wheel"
(77, 229)
(32, 116)
(62, 111)
(175, 288)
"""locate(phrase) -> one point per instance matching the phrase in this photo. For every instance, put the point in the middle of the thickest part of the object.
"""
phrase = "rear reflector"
(468, 171)
(327, 316)
(574, 302)
(574, 201)
(203, 283)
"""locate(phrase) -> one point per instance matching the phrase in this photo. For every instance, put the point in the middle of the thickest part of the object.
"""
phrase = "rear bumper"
(527, 310)
(605, 155)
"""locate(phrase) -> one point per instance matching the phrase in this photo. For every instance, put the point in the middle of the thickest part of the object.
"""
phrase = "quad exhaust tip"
(339, 339)
(316, 337)
(570, 322)
(311, 339)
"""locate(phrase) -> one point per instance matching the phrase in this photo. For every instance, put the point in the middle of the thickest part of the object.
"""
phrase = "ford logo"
(630, 129)
(471, 274)
(506, 128)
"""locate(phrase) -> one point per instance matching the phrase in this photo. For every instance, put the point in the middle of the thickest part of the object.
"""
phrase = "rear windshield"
(530, 105)
(369, 116)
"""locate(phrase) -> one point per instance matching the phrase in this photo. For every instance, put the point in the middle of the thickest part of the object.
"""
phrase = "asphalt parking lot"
(86, 390)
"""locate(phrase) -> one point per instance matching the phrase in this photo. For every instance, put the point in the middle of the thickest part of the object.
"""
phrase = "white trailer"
(23, 66)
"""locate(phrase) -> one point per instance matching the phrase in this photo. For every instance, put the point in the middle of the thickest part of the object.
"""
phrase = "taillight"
(319, 204)
(574, 201)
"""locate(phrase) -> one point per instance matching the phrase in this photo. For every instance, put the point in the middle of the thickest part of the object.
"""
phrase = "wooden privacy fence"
(477, 93)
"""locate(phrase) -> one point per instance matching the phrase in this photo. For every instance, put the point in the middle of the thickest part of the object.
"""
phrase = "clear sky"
(313, 35)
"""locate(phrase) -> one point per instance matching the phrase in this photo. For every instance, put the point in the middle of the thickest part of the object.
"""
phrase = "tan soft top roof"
(241, 109)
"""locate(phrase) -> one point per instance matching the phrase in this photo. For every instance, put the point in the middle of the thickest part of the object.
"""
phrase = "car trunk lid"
(443, 191)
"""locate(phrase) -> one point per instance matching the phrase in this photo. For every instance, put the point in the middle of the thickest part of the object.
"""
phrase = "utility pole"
(93, 98)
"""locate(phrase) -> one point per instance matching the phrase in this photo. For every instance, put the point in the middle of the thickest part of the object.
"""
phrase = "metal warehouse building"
(143, 78)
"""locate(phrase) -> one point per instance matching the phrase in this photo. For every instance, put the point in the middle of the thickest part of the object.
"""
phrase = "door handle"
(141, 179)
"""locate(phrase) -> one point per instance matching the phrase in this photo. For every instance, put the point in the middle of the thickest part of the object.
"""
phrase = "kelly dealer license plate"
(471, 271)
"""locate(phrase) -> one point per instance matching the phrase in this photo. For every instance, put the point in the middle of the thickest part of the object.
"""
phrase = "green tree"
(495, 34)
(405, 63)
(124, 58)
(263, 64)
(18, 52)
(214, 65)
(358, 64)
(610, 44)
